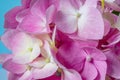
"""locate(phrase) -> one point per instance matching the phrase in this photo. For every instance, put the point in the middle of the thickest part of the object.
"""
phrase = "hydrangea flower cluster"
(63, 40)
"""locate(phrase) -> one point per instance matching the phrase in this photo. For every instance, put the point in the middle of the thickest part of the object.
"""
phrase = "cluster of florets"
(63, 40)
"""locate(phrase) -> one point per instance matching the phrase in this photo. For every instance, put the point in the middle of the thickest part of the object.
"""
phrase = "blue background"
(5, 5)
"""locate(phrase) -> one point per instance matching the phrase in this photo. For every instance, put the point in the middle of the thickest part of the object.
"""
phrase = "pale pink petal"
(70, 9)
(38, 63)
(24, 47)
(66, 20)
(36, 51)
(90, 24)
(7, 38)
(102, 69)
(21, 42)
(14, 67)
(91, 3)
(48, 70)
(26, 76)
(27, 57)
(114, 6)
(71, 75)
(76, 3)
(47, 50)
(66, 23)
(89, 71)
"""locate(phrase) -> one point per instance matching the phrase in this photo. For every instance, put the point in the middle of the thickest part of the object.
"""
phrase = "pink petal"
(39, 8)
(96, 54)
(113, 63)
(90, 24)
(12, 76)
(89, 72)
(117, 2)
(26, 3)
(21, 15)
(114, 39)
(50, 14)
(4, 57)
(33, 24)
(47, 71)
(71, 56)
(14, 67)
(10, 17)
(54, 77)
(107, 27)
(118, 22)
(71, 75)
(54, 2)
(102, 69)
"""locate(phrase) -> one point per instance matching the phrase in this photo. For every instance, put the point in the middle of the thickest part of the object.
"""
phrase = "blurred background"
(5, 5)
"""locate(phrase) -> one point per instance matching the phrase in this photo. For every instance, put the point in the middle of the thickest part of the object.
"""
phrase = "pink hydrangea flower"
(24, 47)
(113, 4)
(84, 59)
(112, 53)
(78, 17)
(62, 40)
(43, 65)
(37, 16)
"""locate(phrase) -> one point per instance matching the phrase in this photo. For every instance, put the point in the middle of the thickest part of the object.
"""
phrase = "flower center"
(88, 58)
(47, 60)
(59, 71)
(30, 49)
(78, 15)
(29, 67)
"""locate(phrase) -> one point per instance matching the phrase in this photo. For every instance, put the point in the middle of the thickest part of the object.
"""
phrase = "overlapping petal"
(48, 70)
(14, 67)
